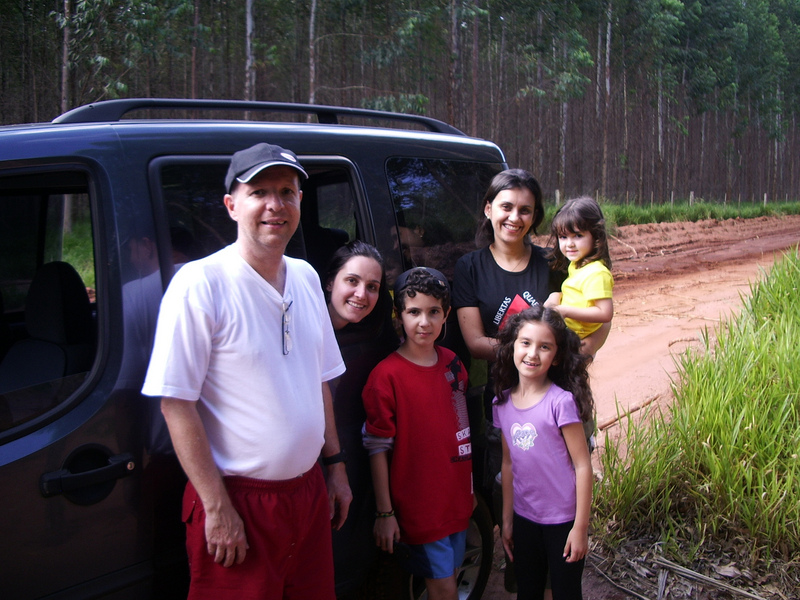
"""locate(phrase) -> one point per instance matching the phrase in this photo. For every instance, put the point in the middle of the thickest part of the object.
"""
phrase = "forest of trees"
(635, 100)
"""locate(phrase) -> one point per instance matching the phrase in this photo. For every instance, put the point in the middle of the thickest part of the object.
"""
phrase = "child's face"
(575, 246)
(422, 318)
(534, 351)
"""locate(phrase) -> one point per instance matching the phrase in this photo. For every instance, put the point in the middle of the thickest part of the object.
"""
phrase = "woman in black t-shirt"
(508, 273)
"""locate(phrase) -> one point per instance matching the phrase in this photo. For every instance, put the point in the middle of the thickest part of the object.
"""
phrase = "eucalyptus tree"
(116, 47)
(29, 67)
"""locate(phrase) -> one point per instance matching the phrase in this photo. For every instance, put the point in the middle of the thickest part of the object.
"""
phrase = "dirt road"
(672, 280)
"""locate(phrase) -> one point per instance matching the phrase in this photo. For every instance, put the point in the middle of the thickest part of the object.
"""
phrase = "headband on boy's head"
(402, 280)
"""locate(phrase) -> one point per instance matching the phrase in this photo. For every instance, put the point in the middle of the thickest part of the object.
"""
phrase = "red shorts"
(288, 529)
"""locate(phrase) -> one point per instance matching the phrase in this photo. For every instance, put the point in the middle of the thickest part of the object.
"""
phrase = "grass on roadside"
(78, 251)
(618, 215)
(722, 464)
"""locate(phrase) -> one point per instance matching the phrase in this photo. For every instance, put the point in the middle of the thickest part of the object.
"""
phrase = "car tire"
(473, 575)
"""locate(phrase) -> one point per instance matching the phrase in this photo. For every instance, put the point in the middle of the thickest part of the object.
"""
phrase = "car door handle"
(64, 480)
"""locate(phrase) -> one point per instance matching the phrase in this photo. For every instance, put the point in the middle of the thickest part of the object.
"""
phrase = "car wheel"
(474, 572)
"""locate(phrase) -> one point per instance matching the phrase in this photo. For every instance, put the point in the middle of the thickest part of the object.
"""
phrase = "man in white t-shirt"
(243, 352)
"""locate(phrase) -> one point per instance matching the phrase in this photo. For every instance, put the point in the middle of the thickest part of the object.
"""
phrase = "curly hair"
(569, 368)
(510, 179)
(420, 280)
(579, 214)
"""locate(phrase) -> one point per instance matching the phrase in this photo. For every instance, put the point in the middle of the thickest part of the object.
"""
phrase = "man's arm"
(339, 494)
(225, 536)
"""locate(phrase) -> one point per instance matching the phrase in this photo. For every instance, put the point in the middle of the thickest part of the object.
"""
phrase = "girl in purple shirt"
(543, 393)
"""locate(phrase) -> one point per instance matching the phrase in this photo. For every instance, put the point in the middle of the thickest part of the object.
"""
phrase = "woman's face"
(354, 291)
(511, 213)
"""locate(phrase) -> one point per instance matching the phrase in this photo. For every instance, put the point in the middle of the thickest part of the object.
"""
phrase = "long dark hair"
(569, 369)
(511, 179)
(373, 323)
(579, 214)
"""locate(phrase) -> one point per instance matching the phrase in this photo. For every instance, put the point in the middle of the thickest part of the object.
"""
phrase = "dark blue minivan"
(96, 211)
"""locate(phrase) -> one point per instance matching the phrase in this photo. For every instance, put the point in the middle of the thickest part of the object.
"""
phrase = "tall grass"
(618, 215)
(723, 462)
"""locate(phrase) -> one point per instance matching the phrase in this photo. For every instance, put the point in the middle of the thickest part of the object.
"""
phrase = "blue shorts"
(434, 560)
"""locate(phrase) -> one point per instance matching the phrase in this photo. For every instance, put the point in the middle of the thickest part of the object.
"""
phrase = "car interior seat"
(61, 333)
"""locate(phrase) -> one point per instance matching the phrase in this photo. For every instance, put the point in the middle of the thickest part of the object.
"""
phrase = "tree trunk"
(607, 107)
(312, 55)
(250, 60)
(475, 51)
(501, 72)
(65, 57)
(452, 70)
(562, 146)
(194, 46)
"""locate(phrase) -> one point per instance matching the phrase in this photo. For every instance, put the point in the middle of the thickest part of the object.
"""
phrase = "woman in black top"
(360, 307)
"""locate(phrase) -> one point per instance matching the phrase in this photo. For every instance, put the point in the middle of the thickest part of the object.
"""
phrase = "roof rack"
(113, 110)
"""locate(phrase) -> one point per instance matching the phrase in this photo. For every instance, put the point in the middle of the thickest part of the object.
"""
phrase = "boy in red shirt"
(417, 434)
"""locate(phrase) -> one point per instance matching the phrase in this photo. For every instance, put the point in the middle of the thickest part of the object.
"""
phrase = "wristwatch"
(340, 456)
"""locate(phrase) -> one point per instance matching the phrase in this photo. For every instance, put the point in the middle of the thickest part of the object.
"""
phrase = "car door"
(90, 502)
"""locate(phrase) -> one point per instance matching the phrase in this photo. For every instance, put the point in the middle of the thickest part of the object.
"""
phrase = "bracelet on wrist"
(333, 459)
(384, 515)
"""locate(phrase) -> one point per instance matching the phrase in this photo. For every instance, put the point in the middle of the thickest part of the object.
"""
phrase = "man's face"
(267, 209)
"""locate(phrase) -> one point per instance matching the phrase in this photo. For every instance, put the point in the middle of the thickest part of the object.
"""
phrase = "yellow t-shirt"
(581, 288)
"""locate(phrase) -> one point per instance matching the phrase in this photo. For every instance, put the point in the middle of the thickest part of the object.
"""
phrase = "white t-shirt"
(219, 341)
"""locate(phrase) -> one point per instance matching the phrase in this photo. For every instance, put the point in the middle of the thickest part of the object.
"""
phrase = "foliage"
(631, 98)
(617, 215)
(78, 250)
(413, 104)
(723, 463)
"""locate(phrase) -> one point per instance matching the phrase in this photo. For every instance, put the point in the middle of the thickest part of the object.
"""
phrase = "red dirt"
(672, 281)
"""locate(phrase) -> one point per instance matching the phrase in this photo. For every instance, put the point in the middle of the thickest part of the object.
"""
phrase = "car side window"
(437, 204)
(48, 337)
(192, 193)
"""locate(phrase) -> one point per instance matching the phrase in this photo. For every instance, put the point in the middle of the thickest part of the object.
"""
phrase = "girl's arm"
(601, 312)
(480, 345)
(507, 480)
(578, 539)
(386, 530)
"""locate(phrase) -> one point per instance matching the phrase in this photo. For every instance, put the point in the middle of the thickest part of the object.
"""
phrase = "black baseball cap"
(248, 163)
(402, 280)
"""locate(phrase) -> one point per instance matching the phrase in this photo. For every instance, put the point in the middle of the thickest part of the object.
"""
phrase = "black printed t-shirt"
(480, 281)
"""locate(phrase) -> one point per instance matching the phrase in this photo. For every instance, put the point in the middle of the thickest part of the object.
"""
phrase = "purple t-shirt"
(544, 477)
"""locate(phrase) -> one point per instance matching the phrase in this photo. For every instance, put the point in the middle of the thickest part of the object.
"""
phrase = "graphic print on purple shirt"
(523, 436)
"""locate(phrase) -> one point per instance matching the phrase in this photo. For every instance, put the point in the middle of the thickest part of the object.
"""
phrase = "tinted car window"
(437, 204)
(193, 196)
(47, 281)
